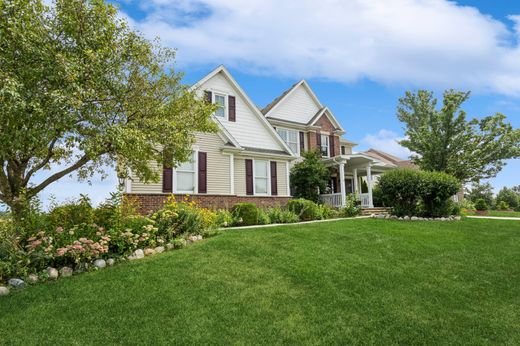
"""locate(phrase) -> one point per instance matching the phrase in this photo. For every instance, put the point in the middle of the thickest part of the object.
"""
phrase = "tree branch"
(50, 152)
(35, 190)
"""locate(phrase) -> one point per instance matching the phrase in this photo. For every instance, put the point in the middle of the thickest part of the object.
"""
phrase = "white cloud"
(424, 43)
(386, 141)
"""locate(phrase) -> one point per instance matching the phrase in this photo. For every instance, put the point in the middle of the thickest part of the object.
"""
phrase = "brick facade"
(326, 126)
(148, 203)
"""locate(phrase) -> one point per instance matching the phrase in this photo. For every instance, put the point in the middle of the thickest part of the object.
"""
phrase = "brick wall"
(148, 203)
(312, 141)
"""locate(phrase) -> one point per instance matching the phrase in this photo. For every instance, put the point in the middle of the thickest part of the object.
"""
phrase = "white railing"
(365, 199)
(332, 199)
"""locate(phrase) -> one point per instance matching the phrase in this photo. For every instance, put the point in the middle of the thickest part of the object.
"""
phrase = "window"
(324, 149)
(185, 177)
(261, 177)
(220, 100)
(290, 137)
(343, 151)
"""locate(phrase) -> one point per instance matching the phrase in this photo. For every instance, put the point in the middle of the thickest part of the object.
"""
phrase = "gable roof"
(325, 110)
(388, 158)
(249, 103)
(277, 101)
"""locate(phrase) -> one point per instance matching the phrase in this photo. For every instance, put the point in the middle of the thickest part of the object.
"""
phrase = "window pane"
(261, 185)
(221, 101)
(283, 134)
(185, 181)
(260, 168)
(294, 147)
(293, 136)
(188, 166)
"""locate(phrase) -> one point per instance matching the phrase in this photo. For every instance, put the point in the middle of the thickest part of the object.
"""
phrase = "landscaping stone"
(170, 246)
(199, 237)
(406, 218)
(414, 218)
(16, 283)
(401, 218)
(4, 291)
(52, 273)
(100, 263)
(66, 272)
(380, 216)
(149, 252)
(159, 249)
(32, 278)
(136, 255)
(458, 218)
(111, 262)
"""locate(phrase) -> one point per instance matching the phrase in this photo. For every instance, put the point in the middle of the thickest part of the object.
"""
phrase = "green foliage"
(73, 213)
(224, 218)
(309, 177)
(279, 215)
(502, 205)
(351, 208)
(508, 196)
(400, 187)
(377, 197)
(466, 204)
(364, 186)
(305, 209)
(263, 217)
(445, 141)
(477, 191)
(245, 214)
(80, 89)
(436, 189)
(481, 205)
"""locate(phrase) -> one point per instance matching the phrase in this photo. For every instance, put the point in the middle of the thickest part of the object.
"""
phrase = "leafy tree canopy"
(509, 196)
(309, 177)
(81, 90)
(442, 139)
(478, 191)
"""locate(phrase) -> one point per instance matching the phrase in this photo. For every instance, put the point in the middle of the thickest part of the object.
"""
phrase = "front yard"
(342, 282)
(497, 213)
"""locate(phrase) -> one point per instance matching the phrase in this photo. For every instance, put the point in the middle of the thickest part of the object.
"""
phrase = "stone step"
(377, 210)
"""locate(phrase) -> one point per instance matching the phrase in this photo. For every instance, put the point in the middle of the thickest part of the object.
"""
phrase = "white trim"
(232, 173)
(195, 153)
(128, 185)
(267, 170)
(329, 115)
(249, 102)
(326, 136)
(214, 95)
(288, 175)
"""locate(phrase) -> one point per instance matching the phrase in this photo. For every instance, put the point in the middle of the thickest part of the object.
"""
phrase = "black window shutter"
(331, 145)
(208, 96)
(302, 142)
(274, 179)
(318, 139)
(203, 172)
(232, 108)
(167, 186)
(249, 177)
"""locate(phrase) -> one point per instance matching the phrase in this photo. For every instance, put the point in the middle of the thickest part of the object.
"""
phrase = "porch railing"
(364, 198)
(331, 199)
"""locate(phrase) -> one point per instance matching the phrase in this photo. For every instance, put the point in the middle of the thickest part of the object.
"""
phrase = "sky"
(359, 57)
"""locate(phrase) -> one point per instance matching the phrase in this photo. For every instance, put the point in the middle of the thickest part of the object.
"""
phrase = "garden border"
(293, 223)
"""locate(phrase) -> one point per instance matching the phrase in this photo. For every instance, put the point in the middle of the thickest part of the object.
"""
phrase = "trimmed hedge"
(305, 209)
(413, 192)
(245, 213)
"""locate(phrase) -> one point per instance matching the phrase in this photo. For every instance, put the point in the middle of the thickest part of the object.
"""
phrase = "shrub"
(279, 215)
(327, 212)
(351, 209)
(400, 188)
(73, 213)
(466, 204)
(502, 205)
(509, 196)
(245, 214)
(263, 217)
(305, 209)
(309, 176)
(377, 197)
(224, 218)
(481, 205)
(435, 191)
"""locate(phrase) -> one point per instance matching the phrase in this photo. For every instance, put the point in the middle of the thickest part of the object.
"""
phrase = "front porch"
(352, 174)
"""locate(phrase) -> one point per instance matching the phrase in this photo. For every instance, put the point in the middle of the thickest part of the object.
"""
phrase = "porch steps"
(376, 210)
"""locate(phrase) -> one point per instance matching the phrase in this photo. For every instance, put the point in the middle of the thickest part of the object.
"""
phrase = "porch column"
(342, 184)
(355, 182)
(369, 183)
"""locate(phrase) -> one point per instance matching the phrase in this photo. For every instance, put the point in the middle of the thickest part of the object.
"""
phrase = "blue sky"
(358, 56)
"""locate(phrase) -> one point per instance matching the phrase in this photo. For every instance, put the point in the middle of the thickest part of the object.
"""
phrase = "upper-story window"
(185, 177)
(290, 137)
(324, 149)
(261, 177)
(343, 151)
(220, 100)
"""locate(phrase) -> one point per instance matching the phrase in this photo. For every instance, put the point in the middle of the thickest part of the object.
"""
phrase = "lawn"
(343, 282)
(498, 213)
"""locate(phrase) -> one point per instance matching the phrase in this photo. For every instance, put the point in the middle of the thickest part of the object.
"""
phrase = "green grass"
(343, 282)
(498, 213)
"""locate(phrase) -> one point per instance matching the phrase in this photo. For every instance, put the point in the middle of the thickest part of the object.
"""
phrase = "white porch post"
(369, 183)
(342, 184)
(355, 182)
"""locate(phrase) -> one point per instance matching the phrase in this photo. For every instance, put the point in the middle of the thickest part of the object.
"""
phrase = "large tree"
(480, 191)
(309, 177)
(80, 90)
(442, 139)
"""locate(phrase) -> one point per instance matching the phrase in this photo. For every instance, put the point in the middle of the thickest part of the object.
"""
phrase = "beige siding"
(218, 163)
(298, 106)
(281, 168)
(248, 129)
(140, 187)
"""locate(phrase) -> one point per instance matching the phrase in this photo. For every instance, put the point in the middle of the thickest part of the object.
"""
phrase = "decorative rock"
(100, 263)
(4, 291)
(406, 218)
(170, 246)
(32, 278)
(16, 283)
(111, 262)
(199, 237)
(380, 216)
(52, 273)
(66, 272)
(401, 218)
(136, 255)
(458, 218)
(414, 218)
(149, 252)
(159, 249)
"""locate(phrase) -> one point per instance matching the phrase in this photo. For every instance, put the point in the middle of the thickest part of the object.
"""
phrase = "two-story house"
(249, 158)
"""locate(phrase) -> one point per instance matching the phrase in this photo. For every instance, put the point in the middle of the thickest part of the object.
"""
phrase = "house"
(249, 158)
